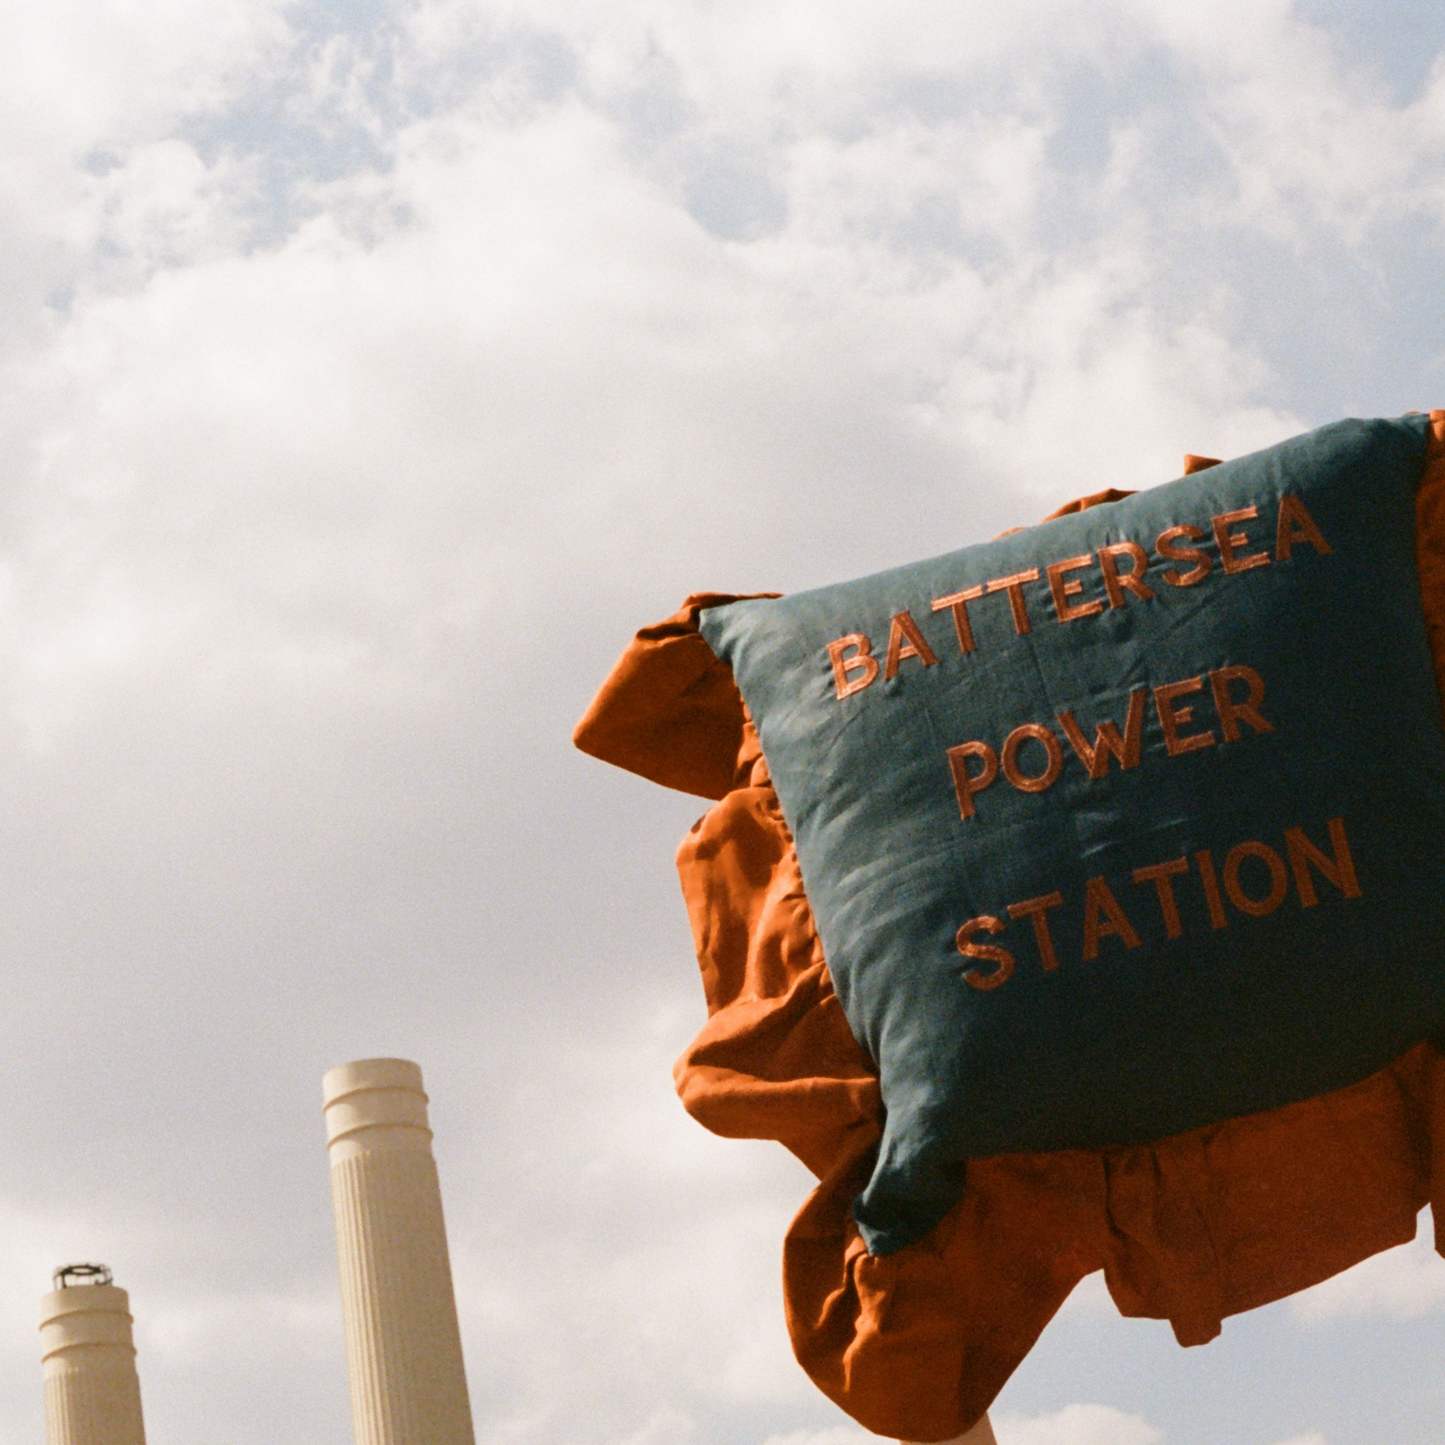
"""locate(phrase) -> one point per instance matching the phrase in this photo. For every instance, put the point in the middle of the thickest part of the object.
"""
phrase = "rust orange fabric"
(1190, 1229)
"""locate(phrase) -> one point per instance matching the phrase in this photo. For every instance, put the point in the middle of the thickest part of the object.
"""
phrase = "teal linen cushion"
(1125, 824)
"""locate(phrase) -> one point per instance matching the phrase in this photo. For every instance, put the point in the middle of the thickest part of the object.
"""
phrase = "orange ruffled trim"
(1190, 1229)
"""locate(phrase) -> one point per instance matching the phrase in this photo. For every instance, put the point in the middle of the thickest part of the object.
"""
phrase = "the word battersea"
(855, 666)
(1104, 915)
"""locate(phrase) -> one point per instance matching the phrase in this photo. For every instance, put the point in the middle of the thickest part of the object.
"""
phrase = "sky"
(372, 370)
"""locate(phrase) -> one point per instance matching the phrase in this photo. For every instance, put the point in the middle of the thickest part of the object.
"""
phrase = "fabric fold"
(1191, 1229)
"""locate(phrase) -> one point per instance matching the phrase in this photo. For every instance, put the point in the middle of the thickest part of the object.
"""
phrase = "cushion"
(1122, 825)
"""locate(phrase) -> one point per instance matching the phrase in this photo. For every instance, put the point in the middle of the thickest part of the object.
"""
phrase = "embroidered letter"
(1172, 718)
(1228, 541)
(966, 785)
(1107, 742)
(1296, 525)
(987, 951)
(958, 602)
(1278, 879)
(1161, 876)
(1230, 711)
(1014, 587)
(1116, 582)
(1166, 548)
(1036, 910)
(1103, 916)
(1011, 745)
(1069, 611)
(1340, 869)
(916, 646)
(862, 662)
(1217, 916)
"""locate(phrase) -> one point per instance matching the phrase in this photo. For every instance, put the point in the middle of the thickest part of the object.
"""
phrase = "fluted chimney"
(92, 1393)
(403, 1347)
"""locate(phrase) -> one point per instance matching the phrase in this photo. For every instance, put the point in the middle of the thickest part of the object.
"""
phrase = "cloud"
(368, 378)
(1085, 1424)
(631, 1238)
(1078, 1425)
(841, 1435)
(1406, 1283)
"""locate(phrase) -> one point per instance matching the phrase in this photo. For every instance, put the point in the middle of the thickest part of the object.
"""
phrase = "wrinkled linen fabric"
(1193, 1228)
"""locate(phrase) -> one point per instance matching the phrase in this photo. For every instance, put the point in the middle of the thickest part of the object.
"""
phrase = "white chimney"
(403, 1348)
(92, 1393)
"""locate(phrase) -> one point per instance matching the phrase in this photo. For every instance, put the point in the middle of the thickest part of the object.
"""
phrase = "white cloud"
(1400, 1284)
(365, 385)
(840, 1435)
(79, 74)
(666, 1427)
(1077, 1425)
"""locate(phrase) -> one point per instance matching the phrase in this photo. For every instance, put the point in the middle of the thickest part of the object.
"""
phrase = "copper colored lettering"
(862, 662)
(1172, 718)
(1016, 740)
(1036, 910)
(916, 646)
(1102, 917)
(1230, 712)
(1230, 541)
(1296, 525)
(1071, 611)
(1217, 916)
(1278, 879)
(1116, 583)
(1340, 869)
(989, 952)
(1161, 875)
(966, 784)
(957, 603)
(1014, 587)
(1107, 742)
(1166, 548)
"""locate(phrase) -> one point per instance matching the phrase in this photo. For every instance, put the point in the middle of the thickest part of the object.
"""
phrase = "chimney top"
(70, 1274)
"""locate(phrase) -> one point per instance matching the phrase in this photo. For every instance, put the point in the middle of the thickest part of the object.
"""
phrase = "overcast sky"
(372, 369)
